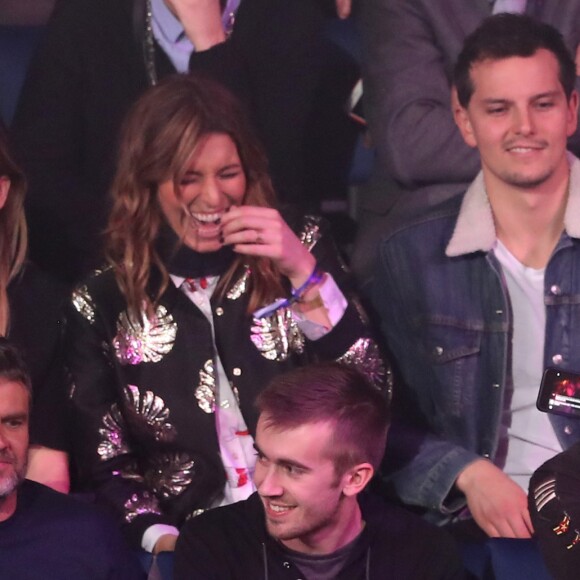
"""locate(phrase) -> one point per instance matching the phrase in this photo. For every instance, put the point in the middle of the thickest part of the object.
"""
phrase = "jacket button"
(219, 311)
(568, 430)
(486, 455)
(495, 385)
(557, 359)
(555, 290)
(499, 312)
(286, 564)
(237, 372)
(438, 351)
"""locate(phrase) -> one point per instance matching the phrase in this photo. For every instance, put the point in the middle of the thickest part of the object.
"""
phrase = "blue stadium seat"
(504, 559)
(158, 567)
(17, 44)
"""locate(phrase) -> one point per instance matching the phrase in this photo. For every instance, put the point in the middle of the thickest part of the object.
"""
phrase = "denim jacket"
(446, 316)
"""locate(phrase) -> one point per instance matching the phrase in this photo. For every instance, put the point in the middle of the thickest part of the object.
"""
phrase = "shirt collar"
(179, 280)
(475, 229)
(168, 23)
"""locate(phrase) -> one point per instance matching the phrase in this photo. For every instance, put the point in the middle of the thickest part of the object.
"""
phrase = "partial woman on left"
(30, 301)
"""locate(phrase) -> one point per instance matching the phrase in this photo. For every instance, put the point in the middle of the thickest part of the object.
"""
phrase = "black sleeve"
(554, 503)
(351, 341)
(195, 558)
(103, 443)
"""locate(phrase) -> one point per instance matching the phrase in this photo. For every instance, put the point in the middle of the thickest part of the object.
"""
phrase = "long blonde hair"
(160, 134)
(13, 231)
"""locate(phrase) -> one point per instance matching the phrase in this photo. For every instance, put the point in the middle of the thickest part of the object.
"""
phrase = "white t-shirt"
(531, 438)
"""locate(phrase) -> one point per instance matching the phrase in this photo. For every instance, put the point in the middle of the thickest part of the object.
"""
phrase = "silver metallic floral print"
(278, 335)
(364, 356)
(140, 504)
(147, 409)
(151, 410)
(195, 513)
(145, 340)
(310, 233)
(112, 440)
(241, 286)
(166, 474)
(84, 303)
(206, 391)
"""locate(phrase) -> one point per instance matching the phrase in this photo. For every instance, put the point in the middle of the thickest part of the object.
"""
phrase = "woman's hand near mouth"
(260, 231)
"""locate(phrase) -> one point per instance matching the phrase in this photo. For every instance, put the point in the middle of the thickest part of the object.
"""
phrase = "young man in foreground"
(321, 434)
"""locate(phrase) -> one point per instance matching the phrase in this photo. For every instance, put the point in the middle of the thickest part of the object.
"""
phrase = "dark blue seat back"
(159, 567)
(504, 559)
(17, 44)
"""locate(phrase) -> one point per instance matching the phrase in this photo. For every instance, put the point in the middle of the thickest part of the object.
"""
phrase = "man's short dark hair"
(507, 35)
(336, 393)
(12, 367)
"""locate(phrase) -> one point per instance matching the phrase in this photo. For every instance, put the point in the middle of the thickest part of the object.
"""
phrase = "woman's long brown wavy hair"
(13, 232)
(159, 136)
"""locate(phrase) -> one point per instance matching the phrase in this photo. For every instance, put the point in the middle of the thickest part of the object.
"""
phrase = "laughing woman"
(209, 292)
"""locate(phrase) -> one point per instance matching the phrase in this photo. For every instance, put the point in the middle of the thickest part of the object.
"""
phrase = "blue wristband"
(297, 294)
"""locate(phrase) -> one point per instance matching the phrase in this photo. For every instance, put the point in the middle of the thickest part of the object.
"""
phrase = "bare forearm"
(498, 505)
(201, 20)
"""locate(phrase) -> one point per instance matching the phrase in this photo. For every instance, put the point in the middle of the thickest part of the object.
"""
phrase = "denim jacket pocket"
(453, 351)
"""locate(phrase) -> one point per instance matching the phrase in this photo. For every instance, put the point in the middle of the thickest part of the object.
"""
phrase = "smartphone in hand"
(560, 393)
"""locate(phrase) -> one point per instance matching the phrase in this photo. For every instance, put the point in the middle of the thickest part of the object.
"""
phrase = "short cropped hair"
(506, 35)
(336, 393)
(12, 366)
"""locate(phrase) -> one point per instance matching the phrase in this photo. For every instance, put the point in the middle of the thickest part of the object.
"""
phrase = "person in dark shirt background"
(44, 533)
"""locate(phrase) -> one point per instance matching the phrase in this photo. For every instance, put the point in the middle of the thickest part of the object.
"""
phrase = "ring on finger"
(259, 239)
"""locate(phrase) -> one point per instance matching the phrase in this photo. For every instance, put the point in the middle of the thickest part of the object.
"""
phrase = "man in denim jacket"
(480, 294)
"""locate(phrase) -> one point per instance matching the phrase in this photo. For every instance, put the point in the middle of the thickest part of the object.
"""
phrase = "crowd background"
(341, 153)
